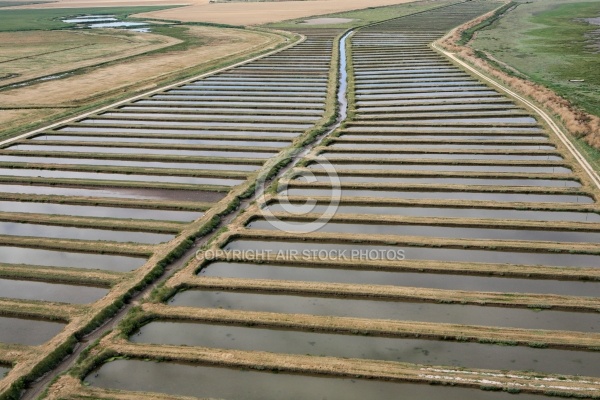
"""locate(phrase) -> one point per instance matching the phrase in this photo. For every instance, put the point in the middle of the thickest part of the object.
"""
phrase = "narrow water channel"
(320, 273)
(428, 352)
(392, 310)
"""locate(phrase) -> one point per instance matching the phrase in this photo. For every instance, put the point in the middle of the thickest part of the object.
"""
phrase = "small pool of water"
(90, 19)
(44, 291)
(29, 332)
(118, 24)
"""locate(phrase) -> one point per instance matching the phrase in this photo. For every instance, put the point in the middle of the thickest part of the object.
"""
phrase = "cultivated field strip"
(90, 209)
(464, 252)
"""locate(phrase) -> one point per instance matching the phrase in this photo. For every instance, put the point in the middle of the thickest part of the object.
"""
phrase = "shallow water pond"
(473, 196)
(99, 212)
(449, 212)
(455, 232)
(401, 252)
(428, 352)
(321, 273)
(203, 381)
(22, 255)
(392, 310)
(29, 332)
(65, 232)
(44, 291)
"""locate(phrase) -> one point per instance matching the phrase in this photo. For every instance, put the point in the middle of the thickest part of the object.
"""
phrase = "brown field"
(20, 106)
(32, 54)
(254, 13)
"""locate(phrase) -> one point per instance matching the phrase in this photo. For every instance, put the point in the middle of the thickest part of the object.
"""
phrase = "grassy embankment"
(541, 45)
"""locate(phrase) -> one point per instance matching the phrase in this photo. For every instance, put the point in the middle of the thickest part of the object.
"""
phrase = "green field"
(49, 19)
(19, 3)
(546, 41)
(367, 15)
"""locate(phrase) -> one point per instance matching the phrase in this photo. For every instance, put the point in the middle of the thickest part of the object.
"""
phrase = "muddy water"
(62, 232)
(133, 164)
(450, 181)
(124, 193)
(442, 167)
(22, 255)
(471, 355)
(99, 212)
(374, 252)
(409, 279)
(331, 155)
(442, 231)
(3, 371)
(202, 142)
(203, 381)
(519, 197)
(28, 332)
(57, 174)
(43, 291)
(448, 212)
(200, 133)
(401, 311)
(136, 151)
